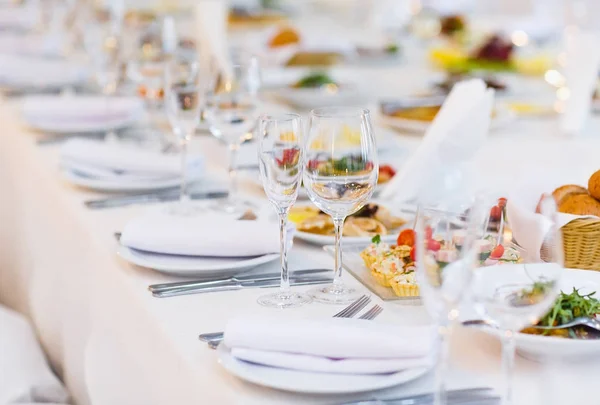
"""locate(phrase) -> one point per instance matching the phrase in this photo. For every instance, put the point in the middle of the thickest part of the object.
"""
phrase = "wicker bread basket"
(581, 240)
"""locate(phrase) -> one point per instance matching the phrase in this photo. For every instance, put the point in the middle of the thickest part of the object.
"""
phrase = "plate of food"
(314, 226)
(319, 89)
(416, 115)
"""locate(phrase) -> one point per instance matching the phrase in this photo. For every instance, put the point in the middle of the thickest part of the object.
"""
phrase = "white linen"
(106, 159)
(456, 134)
(33, 44)
(211, 34)
(18, 17)
(26, 71)
(24, 373)
(359, 346)
(581, 75)
(213, 235)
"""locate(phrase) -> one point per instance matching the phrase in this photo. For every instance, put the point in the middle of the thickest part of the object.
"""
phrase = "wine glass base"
(229, 206)
(340, 295)
(284, 300)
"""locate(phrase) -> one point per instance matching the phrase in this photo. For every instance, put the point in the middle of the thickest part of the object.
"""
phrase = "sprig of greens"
(314, 80)
(376, 239)
(570, 306)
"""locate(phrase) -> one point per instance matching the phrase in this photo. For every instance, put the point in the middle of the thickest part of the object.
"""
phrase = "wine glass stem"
(285, 275)
(233, 151)
(441, 367)
(508, 362)
(338, 224)
(184, 196)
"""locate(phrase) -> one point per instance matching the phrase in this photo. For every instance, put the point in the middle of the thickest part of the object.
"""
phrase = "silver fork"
(214, 338)
(372, 313)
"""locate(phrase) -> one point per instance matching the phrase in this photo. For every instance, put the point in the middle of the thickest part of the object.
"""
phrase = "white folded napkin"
(210, 234)
(105, 159)
(24, 373)
(333, 345)
(456, 134)
(81, 109)
(211, 34)
(26, 71)
(581, 76)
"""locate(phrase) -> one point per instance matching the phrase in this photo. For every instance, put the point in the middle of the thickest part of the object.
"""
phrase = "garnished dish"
(566, 308)
(316, 80)
(307, 58)
(372, 219)
(452, 78)
(452, 25)
(242, 16)
(284, 37)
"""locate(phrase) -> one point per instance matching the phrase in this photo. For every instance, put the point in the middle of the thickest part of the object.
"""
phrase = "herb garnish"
(570, 306)
(376, 239)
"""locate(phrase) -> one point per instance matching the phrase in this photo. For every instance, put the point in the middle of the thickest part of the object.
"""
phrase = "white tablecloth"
(113, 343)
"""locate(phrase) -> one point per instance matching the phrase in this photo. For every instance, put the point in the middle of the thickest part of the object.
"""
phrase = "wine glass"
(232, 111)
(446, 253)
(340, 174)
(184, 100)
(515, 295)
(280, 162)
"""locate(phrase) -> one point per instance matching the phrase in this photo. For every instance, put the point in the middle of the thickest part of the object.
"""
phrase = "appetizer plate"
(193, 265)
(354, 264)
(503, 116)
(539, 348)
(312, 383)
(307, 98)
(108, 185)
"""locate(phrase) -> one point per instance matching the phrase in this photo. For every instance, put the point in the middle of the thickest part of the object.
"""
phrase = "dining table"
(112, 342)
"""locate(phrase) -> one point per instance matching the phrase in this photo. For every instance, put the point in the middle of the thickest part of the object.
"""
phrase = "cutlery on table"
(124, 201)
(294, 281)
(214, 338)
(229, 280)
(372, 313)
(480, 395)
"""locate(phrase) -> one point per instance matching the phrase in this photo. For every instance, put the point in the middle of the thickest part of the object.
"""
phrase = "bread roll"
(565, 191)
(594, 185)
(580, 204)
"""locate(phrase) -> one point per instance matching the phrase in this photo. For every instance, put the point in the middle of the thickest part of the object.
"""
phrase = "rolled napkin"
(104, 159)
(210, 234)
(581, 75)
(333, 345)
(25, 71)
(26, 376)
(458, 131)
(81, 109)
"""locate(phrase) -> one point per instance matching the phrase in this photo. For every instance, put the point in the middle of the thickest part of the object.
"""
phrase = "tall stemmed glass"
(184, 100)
(232, 111)
(340, 174)
(446, 252)
(280, 162)
(514, 296)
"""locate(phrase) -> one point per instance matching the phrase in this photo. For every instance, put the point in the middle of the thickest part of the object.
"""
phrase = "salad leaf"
(376, 239)
(570, 306)
(313, 80)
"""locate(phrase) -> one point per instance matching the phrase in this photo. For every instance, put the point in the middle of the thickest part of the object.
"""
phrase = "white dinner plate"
(538, 348)
(503, 117)
(347, 94)
(108, 185)
(194, 265)
(20, 73)
(312, 383)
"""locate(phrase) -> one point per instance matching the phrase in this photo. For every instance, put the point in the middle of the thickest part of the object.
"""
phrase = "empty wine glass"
(280, 162)
(232, 111)
(516, 295)
(184, 100)
(340, 174)
(446, 253)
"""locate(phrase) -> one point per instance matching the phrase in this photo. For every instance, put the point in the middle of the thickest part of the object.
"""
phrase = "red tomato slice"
(497, 252)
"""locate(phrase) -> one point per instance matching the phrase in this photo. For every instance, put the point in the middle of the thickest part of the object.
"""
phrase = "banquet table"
(113, 343)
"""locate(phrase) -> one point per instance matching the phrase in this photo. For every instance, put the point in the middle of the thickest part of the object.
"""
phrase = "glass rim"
(339, 111)
(282, 117)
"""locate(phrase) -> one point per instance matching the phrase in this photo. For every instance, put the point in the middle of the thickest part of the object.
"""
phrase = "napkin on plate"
(25, 374)
(581, 75)
(210, 234)
(338, 345)
(458, 131)
(211, 34)
(110, 160)
(30, 71)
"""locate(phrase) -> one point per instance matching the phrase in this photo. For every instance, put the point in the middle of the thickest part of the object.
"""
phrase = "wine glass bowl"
(340, 174)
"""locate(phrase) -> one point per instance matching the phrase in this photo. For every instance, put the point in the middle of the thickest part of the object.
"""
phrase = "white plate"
(347, 94)
(503, 117)
(312, 383)
(192, 265)
(547, 347)
(105, 185)
(38, 73)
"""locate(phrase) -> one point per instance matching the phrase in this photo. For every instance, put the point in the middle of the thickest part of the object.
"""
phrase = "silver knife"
(242, 285)
(115, 202)
(231, 280)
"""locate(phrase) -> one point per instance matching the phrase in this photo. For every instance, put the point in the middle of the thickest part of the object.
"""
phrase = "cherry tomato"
(406, 237)
(497, 252)
(387, 169)
(495, 213)
(428, 233)
(502, 202)
(413, 254)
(433, 245)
